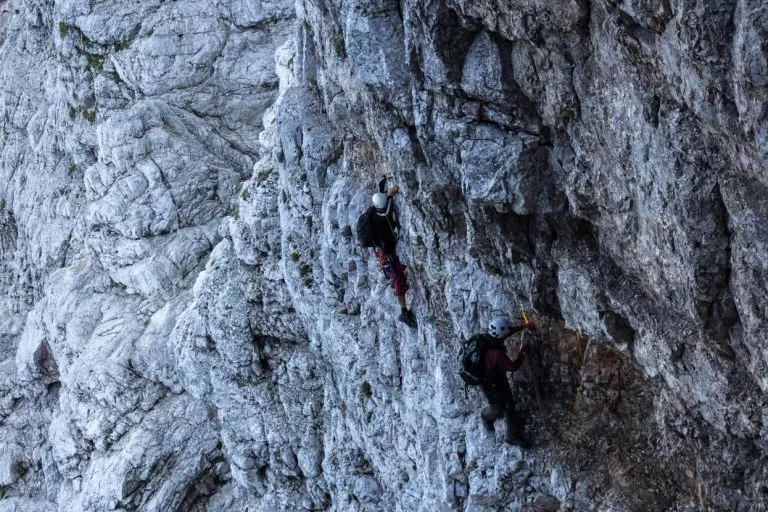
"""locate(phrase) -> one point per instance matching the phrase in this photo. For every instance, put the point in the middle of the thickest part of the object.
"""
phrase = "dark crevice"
(721, 314)
(619, 328)
(45, 361)
(206, 484)
(452, 42)
(524, 108)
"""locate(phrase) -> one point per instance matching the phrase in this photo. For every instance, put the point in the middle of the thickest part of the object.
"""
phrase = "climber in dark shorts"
(386, 228)
(495, 366)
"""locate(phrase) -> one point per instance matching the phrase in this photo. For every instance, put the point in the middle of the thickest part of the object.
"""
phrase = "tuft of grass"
(368, 416)
(94, 61)
(72, 112)
(63, 29)
(263, 175)
(72, 169)
(116, 286)
(365, 389)
(304, 269)
(122, 46)
(294, 257)
(338, 46)
(90, 116)
(308, 282)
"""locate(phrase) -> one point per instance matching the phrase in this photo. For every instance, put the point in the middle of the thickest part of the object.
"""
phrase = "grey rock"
(187, 321)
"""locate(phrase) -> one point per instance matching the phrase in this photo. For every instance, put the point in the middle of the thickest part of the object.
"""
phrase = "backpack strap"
(394, 234)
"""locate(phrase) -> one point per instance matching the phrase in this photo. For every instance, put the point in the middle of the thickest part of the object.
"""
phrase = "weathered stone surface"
(187, 321)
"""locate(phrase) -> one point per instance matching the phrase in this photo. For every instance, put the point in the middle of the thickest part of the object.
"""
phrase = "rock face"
(187, 321)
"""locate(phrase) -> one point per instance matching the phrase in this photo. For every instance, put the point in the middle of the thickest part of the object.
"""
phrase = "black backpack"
(365, 232)
(471, 360)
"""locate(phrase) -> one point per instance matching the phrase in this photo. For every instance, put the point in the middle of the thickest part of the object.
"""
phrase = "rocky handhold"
(10, 463)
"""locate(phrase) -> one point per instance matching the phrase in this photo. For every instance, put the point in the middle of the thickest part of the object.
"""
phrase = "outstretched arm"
(519, 328)
(510, 365)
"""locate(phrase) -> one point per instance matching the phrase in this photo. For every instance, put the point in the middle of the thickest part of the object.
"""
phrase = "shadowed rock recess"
(187, 321)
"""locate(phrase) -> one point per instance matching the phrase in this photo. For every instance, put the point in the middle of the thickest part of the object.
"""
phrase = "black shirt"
(385, 223)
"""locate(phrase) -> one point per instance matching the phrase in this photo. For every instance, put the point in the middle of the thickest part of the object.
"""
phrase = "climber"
(484, 362)
(378, 227)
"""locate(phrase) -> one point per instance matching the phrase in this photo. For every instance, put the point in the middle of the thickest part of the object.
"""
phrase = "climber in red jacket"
(495, 366)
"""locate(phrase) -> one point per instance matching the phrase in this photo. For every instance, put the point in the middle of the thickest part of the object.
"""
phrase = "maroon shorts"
(395, 272)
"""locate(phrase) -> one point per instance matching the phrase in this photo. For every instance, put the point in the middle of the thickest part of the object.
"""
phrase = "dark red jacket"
(496, 364)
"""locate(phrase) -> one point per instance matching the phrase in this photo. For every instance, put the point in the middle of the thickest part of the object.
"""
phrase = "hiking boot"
(408, 318)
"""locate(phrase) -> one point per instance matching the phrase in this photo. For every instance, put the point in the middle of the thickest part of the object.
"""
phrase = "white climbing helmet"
(379, 200)
(499, 327)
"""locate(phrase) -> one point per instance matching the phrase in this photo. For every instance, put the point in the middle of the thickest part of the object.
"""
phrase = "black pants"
(501, 403)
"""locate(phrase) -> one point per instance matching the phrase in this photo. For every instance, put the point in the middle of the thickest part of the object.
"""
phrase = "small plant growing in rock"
(308, 282)
(94, 61)
(63, 29)
(116, 286)
(90, 116)
(72, 169)
(294, 257)
(263, 175)
(365, 389)
(304, 269)
(338, 46)
(368, 416)
(72, 112)
(303, 177)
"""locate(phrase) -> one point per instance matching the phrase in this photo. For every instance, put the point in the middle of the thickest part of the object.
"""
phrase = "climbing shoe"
(408, 318)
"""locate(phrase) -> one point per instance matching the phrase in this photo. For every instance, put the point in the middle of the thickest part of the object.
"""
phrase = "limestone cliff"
(187, 321)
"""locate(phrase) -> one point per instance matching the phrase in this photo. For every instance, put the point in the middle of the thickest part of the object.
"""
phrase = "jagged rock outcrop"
(188, 322)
